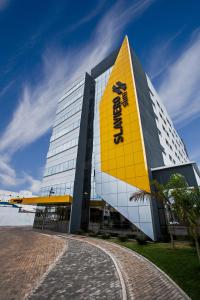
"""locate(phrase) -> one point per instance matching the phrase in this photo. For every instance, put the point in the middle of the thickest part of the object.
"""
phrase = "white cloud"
(158, 57)
(4, 4)
(179, 88)
(8, 176)
(36, 110)
(33, 184)
(4, 90)
(87, 18)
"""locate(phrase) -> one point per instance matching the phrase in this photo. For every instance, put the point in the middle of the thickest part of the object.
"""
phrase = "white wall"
(9, 216)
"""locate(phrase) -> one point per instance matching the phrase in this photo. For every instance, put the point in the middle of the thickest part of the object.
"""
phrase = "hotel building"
(111, 137)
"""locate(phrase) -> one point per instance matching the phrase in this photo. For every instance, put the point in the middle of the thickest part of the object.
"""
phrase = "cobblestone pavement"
(142, 279)
(84, 272)
(25, 255)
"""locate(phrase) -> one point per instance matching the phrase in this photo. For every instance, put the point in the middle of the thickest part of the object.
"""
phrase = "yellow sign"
(122, 147)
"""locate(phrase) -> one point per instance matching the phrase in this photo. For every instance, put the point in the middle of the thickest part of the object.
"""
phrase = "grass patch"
(180, 264)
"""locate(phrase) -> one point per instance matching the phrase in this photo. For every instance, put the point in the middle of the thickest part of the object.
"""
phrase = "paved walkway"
(74, 267)
(25, 256)
(84, 272)
(142, 279)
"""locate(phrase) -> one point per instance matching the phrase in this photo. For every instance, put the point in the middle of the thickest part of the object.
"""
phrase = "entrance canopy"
(65, 199)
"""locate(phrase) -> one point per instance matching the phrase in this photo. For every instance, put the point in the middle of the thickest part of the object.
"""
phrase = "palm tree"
(161, 193)
(186, 205)
(177, 197)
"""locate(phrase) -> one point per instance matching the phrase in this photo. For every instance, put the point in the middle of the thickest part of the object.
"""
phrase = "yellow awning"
(42, 200)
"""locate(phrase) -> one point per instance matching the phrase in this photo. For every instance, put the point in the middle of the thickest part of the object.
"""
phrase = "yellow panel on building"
(122, 146)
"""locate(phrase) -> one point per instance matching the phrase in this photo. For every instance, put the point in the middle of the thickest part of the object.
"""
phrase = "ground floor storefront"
(102, 218)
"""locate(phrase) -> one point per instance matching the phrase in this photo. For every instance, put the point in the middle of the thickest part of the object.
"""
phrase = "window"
(163, 150)
(70, 166)
(151, 92)
(70, 100)
(60, 167)
(68, 114)
(63, 147)
(74, 87)
(64, 131)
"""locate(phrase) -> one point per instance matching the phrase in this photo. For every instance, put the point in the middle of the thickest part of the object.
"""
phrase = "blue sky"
(46, 44)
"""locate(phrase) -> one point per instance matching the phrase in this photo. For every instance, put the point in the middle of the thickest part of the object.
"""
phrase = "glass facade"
(59, 172)
(100, 85)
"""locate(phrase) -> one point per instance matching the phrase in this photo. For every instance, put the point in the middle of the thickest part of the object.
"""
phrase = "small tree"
(180, 199)
(187, 208)
(163, 194)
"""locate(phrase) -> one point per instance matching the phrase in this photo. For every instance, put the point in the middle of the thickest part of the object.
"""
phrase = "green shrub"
(114, 234)
(88, 231)
(99, 233)
(192, 241)
(166, 238)
(92, 234)
(105, 236)
(131, 236)
(141, 239)
(80, 232)
(123, 238)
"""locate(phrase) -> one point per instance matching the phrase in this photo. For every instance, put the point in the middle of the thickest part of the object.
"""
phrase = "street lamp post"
(51, 192)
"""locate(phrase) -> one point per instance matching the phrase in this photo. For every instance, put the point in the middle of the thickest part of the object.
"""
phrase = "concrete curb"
(161, 271)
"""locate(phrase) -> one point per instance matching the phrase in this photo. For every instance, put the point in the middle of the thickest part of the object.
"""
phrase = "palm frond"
(138, 196)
